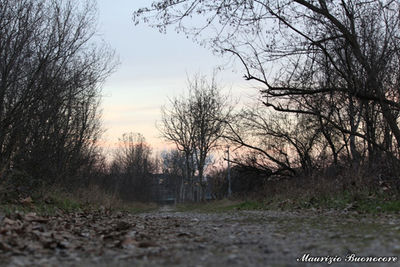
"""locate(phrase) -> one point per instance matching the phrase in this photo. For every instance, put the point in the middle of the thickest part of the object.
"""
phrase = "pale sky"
(153, 67)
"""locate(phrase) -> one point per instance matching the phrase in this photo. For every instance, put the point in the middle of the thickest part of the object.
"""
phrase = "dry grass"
(85, 198)
(348, 189)
(320, 185)
(94, 195)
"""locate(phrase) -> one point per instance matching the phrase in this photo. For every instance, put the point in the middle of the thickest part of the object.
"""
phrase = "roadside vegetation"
(49, 202)
(359, 203)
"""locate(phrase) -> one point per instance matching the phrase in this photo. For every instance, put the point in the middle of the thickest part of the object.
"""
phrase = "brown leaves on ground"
(101, 238)
(68, 237)
(26, 201)
(80, 232)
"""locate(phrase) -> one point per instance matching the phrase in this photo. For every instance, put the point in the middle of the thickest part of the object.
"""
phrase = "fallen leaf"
(184, 234)
(122, 225)
(8, 221)
(26, 201)
(147, 244)
(128, 242)
(4, 246)
(32, 217)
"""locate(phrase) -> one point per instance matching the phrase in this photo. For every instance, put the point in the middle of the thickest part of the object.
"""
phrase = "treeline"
(51, 71)
(131, 171)
(329, 84)
(136, 173)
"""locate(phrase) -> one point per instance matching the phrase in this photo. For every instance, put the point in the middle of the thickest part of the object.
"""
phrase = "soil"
(169, 238)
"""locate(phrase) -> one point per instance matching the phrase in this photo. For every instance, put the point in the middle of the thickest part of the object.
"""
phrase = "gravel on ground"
(169, 238)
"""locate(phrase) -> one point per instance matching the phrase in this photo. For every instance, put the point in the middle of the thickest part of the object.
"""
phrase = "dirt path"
(168, 238)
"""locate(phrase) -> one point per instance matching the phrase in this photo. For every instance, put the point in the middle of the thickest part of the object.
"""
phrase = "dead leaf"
(8, 221)
(26, 201)
(32, 217)
(85, 234)
(183, 234)
(4, 246)
(50, 244)
(64, 244)
(147, 244)
(128, 242)
(122, 225)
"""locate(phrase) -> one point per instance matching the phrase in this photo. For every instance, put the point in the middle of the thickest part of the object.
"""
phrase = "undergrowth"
(54, 200)
(364, 202)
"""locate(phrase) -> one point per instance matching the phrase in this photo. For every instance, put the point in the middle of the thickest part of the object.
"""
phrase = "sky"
(153, 67)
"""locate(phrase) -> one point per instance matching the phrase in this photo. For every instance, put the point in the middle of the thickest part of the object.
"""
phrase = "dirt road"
(169, 238)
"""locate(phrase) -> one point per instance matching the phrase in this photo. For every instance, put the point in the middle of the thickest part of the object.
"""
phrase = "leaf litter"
(103, 238)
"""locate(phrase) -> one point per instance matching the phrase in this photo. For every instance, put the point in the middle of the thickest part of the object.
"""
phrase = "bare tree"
(50, 78)
(277, 144)
(339, 61)
(134, 164)
(178, 127)
(211, 111)
(196, 123)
